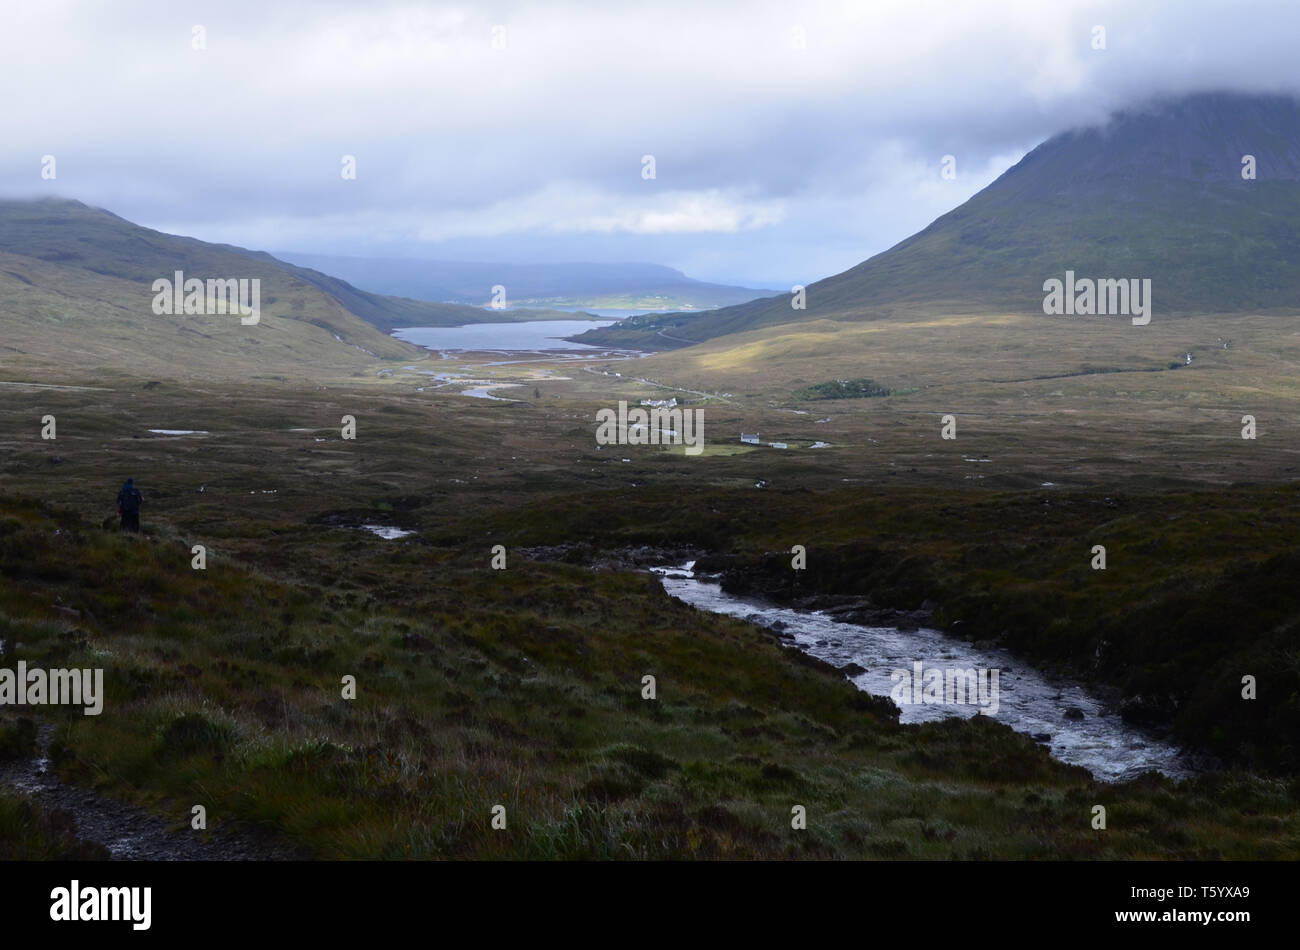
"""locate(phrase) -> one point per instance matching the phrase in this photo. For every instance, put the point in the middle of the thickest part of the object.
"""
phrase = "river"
(1027, 701)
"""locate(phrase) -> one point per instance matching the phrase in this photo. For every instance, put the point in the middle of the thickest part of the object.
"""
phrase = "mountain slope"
(1156, 193)
(76, 287)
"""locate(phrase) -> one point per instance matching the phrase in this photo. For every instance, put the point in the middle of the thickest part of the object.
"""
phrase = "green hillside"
(76, 289)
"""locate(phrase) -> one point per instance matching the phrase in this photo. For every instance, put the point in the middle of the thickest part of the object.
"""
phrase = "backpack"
(128, 499)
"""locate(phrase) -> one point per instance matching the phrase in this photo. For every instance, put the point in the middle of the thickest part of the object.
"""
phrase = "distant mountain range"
(1157, 193)
(617, 286)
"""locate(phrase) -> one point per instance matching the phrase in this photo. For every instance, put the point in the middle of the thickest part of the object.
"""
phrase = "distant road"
(651, 382)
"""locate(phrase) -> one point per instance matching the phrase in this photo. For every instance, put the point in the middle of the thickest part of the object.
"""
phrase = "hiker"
(129, 500)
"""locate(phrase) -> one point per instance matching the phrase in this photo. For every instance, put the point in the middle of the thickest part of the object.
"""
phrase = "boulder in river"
(1074, 712)
(1141, 710)
(852, 669)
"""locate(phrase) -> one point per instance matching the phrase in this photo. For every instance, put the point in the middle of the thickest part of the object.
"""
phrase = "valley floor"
(523, 687)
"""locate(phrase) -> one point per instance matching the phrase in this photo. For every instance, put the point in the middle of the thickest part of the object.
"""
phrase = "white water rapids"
(1027, 700)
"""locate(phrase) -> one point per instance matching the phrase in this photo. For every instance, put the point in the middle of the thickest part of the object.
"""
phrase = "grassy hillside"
(75, 291)
(61, 318)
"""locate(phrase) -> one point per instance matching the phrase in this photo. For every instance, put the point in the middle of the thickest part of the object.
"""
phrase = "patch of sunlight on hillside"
(817, 339)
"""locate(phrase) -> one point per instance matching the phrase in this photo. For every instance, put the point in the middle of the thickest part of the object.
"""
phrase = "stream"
(1092, 735)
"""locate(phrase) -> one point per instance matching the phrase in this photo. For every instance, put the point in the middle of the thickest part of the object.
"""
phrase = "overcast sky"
(791, 140)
